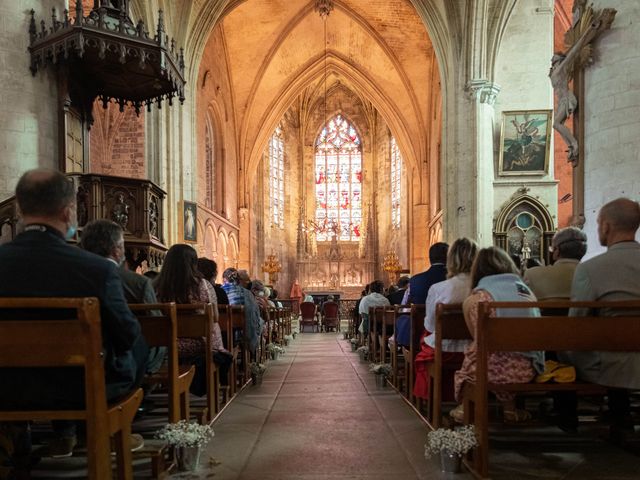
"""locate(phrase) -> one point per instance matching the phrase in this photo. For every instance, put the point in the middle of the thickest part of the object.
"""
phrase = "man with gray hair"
(611, 276)
(553, 282)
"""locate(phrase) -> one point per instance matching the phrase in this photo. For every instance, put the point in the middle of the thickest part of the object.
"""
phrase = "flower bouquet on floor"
(382, 371)
(451, 445)
(364, 353)
(288, 339)
(187, 439)
(354, 344)
(275, 350)
(257, 371)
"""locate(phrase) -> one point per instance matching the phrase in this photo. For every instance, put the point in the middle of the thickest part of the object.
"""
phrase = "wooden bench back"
(593, 332)
(32, 335)
(450, 324)
(417, 327)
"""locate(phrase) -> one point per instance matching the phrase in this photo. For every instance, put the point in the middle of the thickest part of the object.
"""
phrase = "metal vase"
(354, 347)
(450, 462)
(381, 380)
(274, 355)
(256, 379)
(188, 458)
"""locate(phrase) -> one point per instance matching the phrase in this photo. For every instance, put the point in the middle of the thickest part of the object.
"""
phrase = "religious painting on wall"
(524, 142)
(190, 230)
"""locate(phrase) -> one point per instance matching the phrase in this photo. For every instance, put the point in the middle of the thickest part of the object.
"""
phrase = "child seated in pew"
(494, 278)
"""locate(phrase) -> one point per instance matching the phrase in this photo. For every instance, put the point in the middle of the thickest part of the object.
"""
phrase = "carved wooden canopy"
(105, 55)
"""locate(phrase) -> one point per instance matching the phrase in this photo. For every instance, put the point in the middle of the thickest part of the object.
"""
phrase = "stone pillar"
(29, 122)
(468, 159)
(612, 117)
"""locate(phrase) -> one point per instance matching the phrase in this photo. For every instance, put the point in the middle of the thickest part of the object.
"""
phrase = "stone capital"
(482, 90)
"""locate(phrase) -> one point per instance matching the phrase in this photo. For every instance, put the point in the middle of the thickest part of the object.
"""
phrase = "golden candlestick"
(272, 266)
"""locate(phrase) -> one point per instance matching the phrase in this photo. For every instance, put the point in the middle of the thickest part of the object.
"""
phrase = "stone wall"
(612, 116)
(29, 122)
(522, 72)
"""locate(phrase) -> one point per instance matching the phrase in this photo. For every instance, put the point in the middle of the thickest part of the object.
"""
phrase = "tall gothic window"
(208, 161)
(396, 185)
(338, 177)
(276, 177)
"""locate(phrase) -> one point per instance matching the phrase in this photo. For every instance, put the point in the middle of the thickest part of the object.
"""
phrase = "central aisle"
(318, 415)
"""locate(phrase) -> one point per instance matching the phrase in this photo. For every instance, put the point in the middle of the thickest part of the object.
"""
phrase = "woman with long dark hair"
(180, 281)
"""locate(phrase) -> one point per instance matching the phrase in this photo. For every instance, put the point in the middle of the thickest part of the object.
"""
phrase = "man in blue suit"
(419, 286)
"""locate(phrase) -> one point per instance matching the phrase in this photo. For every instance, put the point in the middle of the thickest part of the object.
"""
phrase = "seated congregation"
(472, 327)
(493, 330)
(176, 337)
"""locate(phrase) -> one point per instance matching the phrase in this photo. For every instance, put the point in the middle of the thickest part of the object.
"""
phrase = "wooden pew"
(196, 321)
(450, 325)
(241, 376)
(415, 331)
(375, 321)
(388, 320)
(72, 342)
(226, 327)
(159, 323)
(397, 361)
(559, 333)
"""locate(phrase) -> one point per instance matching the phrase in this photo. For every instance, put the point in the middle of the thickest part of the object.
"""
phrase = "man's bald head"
(44, 193)
(618, 220)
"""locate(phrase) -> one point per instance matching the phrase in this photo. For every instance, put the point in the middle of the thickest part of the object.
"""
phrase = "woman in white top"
(453, 290)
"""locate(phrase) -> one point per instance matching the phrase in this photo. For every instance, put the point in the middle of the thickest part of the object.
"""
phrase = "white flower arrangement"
(363, 349)
(354, 341)
(288, 337)
(257, 368)
(458, 441)
(274, 347)
(185, 434)
(380, 368)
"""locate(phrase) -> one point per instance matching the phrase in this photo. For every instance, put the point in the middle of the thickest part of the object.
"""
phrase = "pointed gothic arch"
(524, 223)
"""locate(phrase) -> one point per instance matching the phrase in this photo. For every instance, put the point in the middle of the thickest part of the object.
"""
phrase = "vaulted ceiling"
(275, 49)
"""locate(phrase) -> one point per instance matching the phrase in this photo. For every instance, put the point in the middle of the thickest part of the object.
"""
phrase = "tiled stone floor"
(318, 415)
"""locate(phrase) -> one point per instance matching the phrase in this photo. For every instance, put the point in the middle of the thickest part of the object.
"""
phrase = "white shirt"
(454, 290)
(374, 299)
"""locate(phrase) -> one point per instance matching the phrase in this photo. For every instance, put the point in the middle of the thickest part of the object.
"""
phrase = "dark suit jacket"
(396, 297)
(420, 284)
(137, 288)
(41, 264)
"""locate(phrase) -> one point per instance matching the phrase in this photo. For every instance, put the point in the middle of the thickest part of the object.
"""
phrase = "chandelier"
(391, 265)
(272, 266)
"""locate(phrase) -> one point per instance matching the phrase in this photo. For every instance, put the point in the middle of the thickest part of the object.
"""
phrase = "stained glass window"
(276, 177)
(396, 185)
(338, 180)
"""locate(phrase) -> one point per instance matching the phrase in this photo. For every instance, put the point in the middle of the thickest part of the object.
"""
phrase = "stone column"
(29, 122)
(468, 161)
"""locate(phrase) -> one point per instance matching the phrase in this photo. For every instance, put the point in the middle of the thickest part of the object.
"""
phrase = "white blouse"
(454, 290)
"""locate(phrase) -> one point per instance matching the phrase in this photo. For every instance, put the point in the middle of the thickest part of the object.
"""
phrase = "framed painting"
(525, 138)
(190, 230)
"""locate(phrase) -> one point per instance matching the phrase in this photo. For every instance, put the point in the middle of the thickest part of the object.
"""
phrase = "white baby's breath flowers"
(185, 434)
(274, 347)
(257, 368)
(458, 441)
(380, 368)
(364, 349)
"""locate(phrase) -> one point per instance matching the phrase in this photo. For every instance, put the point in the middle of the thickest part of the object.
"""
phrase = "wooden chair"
(450, 325)
(560, 333)
(415, 331)
(72, 342)
(308, 316)
(159, 323)
(331, 317)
